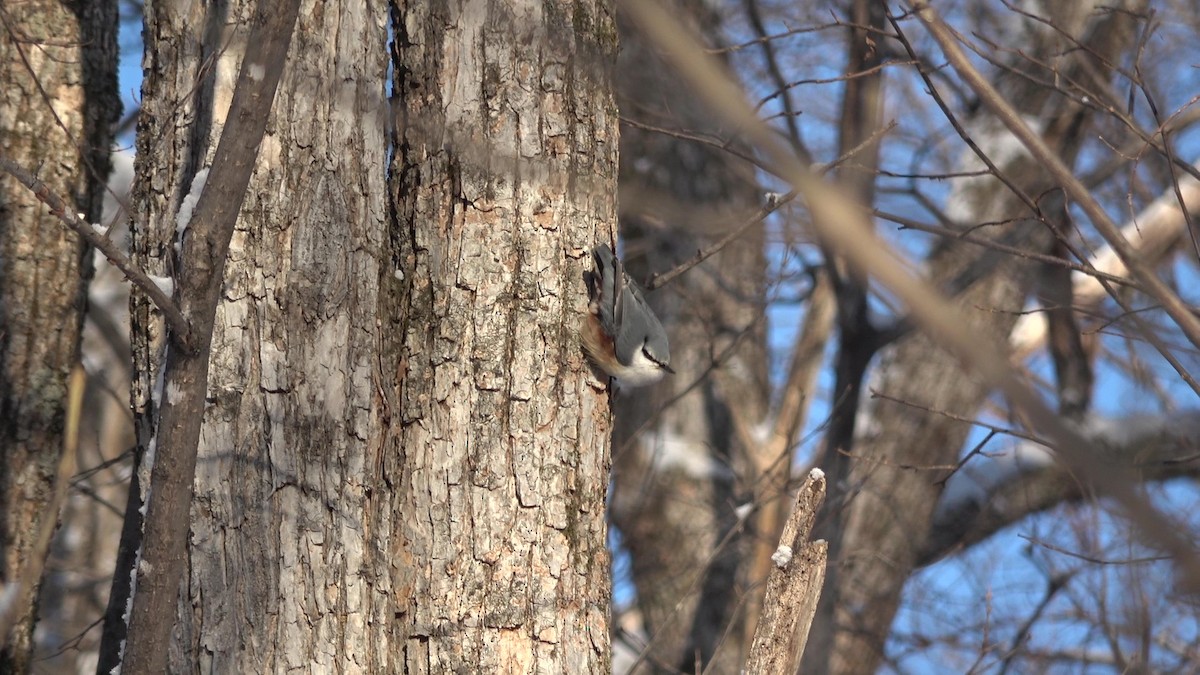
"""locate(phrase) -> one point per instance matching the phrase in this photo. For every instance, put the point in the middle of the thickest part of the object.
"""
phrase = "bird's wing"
(608, 287)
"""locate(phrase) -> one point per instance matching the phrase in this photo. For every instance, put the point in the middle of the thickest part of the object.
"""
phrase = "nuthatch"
(621, 334)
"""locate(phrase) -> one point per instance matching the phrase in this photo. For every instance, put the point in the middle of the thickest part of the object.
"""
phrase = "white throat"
(640, 372)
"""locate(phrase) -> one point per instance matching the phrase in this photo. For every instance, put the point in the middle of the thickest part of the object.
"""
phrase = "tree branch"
(793, 587)
(107, 248)
(981, 500)
(1142, 273)
(659, 280)
(842, 225)
(1154, 231)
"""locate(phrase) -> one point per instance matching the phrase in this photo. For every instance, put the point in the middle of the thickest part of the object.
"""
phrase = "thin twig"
(843, 227)
(59, 208)
(1190, 325)
(84, 155)
(165, 535)
(1170, 156)
(1054, 584)
(776, 73)
(923, 73)
(775, 36)
(660, 280)
(1093, 559)
(956, 235)
(1003, 110)
(722, 144)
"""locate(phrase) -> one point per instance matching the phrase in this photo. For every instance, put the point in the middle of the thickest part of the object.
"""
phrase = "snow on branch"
(998, 490)
(106, 246)
(1152, 232)
(793, 586)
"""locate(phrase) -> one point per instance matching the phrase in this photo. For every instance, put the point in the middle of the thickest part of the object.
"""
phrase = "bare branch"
(660, 280)
(1153, 232)
(784, 92)
(1007, 488)
(186, 372)
(1093, 270)
(1142, 272)
(842, 225)
(59, 209)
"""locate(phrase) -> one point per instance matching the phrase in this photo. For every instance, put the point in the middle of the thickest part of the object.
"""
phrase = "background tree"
(681, 446)
(58, 66)
(911, 426)
(891, 503)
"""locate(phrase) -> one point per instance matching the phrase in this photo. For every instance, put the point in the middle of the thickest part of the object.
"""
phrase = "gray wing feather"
(606, 285)
(623, 310)
(645, 329)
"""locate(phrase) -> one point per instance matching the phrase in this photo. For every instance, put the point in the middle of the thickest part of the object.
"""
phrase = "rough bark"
(496, 467)
(176, 131)
(58, 66)
(182, 388)
(281, 562)
(891, 505)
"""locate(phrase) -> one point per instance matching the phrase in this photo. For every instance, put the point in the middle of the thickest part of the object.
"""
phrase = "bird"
(621, 334)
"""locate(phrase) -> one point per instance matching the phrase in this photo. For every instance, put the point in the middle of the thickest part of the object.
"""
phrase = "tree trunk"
(497, 466)
(57, 102)
(281, 561)
(404, 457)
